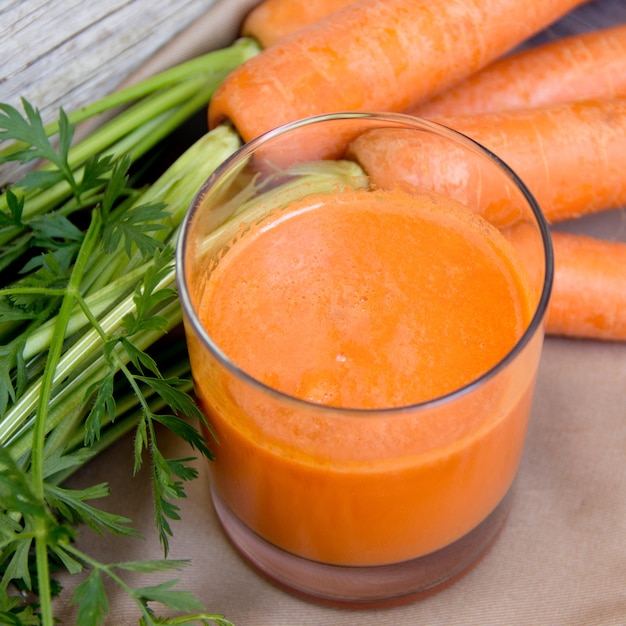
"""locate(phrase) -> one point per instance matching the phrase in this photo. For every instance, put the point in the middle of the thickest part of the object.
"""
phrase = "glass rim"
(400, 120)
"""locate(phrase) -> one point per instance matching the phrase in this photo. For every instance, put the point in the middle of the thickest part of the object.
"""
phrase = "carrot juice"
(348, 319)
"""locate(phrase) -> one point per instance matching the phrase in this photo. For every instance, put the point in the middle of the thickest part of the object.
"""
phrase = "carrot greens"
(87, 299)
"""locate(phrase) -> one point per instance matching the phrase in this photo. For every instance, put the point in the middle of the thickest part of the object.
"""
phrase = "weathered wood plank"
(70, 53)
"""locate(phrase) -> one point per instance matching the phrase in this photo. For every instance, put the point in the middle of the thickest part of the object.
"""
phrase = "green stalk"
(198, 80)
(177, 187)
(213, 63)
(98, 302)
(82, 363)
(40, 202)
(174, 119)
(66, 357)
(134, 140)
(38, 441)
(101, 140)
(56, 349)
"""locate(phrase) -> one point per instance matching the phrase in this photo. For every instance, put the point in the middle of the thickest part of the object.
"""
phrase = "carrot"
(375, 55)
(589, 290)
(579, 67)
(571, 156)
(272, 20)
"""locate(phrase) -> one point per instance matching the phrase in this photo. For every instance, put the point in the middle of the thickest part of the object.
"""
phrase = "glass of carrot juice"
(363, 297)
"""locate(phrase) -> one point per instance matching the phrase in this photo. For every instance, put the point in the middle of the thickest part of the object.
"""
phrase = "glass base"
(362, 586)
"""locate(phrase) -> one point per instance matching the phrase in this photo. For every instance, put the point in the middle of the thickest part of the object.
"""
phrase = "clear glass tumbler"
(332, 498)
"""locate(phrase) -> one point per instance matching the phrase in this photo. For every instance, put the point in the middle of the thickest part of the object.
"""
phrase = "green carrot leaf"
(182, 469)
(59, 461)
(103, 406)
(177, 600)
(9, 312)
(186, 431)
(97, 172)
(69, 562)
(16, 492)
(14, 613)
(151, 565)
(134, 228)
(65, 136)
(139, 358)
(170, 389)
(41, 179)
(150, 294)
(167, 488)
(152, 322)
(116, 186)
(52, 228)
(29, 129)
(13, 375)
(18, 566)
(15, 204)
(140, 444)
(49, 274)
(8, 526)
(59, 236)
(92, 601)
(72, 505)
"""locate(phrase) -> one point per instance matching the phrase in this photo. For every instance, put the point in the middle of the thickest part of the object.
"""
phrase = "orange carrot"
(589, 290)
(571, 156)
(579, 67)
(375, 55)
(271, 20)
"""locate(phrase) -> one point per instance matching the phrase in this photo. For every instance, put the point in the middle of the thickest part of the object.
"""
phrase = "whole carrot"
(589, 289)
(374, 55)
(272, 20)
(571, 156)
(579, 67)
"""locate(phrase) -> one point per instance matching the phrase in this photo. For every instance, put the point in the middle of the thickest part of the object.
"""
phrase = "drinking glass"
(352, 504)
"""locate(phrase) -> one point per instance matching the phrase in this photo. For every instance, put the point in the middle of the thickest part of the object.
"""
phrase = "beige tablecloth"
(561, 559)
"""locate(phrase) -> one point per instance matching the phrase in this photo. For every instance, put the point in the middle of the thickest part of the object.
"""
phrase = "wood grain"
(72, 52)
